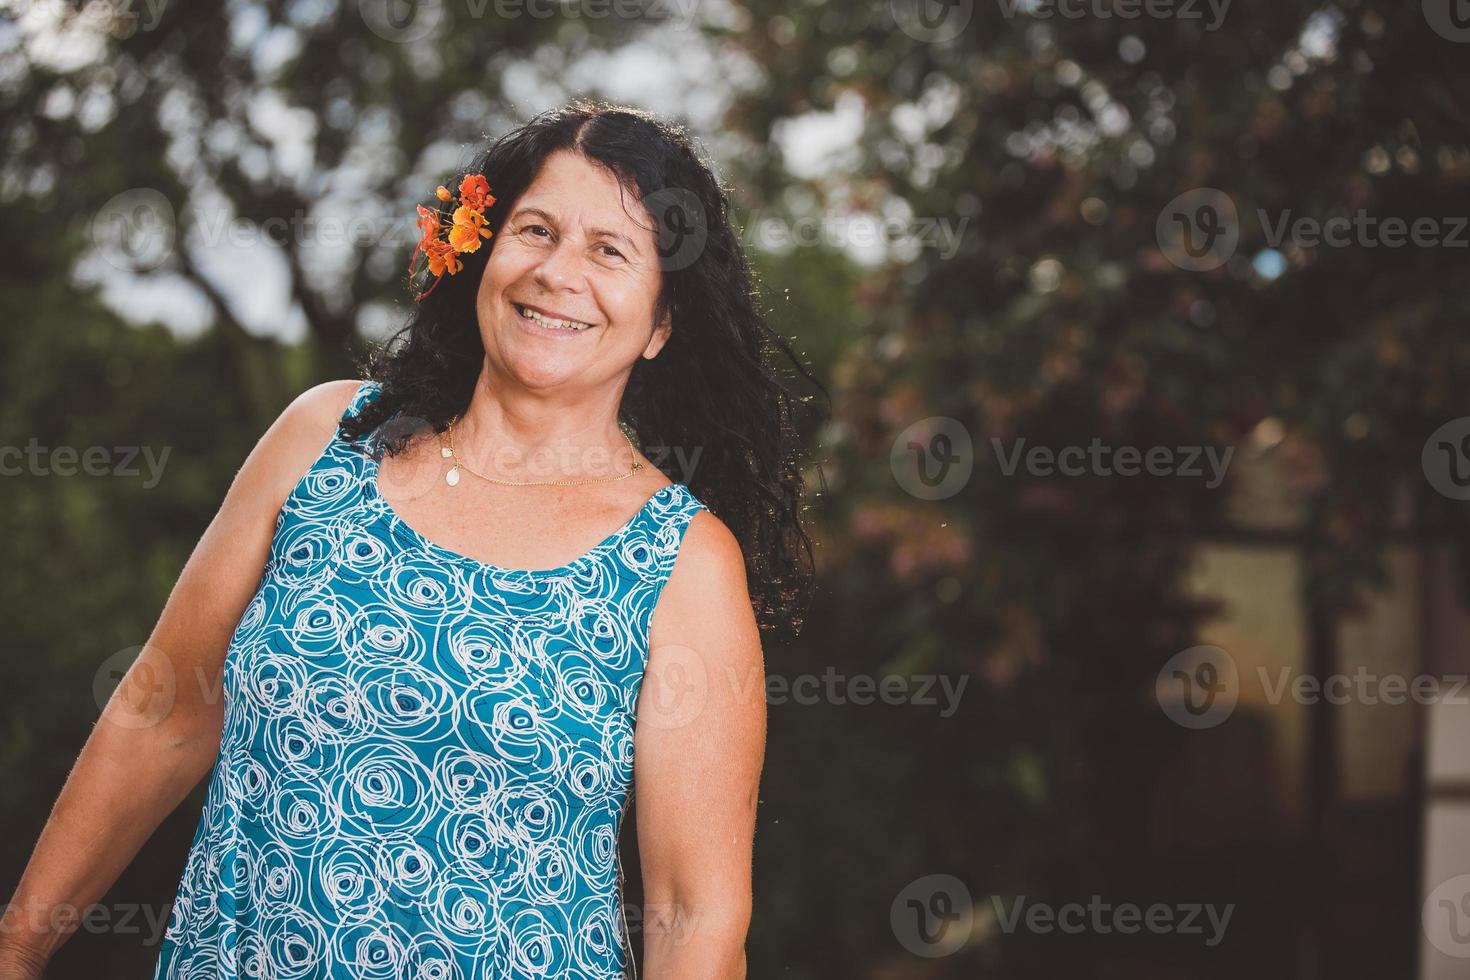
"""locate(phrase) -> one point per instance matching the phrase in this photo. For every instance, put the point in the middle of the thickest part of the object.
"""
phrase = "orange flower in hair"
(474, 192)
(469, 228)
(442, 242)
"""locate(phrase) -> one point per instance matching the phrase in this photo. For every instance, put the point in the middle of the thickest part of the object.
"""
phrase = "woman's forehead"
(569, 188)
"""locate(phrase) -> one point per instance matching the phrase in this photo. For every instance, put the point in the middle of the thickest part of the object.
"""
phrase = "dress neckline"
(412, 534)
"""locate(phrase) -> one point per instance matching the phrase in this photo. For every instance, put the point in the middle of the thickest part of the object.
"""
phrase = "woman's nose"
(562, 266)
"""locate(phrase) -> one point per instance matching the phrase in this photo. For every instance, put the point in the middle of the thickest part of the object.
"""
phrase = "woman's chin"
(533, 366)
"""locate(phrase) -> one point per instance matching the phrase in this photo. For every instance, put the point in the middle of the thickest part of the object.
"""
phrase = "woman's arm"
(698, 748)
(159, 733)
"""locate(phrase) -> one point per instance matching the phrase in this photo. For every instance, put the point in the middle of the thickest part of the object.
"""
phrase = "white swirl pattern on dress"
(425, 759)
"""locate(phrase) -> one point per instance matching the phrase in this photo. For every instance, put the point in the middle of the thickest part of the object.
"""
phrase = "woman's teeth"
(547, 321)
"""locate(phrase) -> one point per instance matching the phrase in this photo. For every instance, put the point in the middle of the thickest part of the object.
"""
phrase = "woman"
(435, 664)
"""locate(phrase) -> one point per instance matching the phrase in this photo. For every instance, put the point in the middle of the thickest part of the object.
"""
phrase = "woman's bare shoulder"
(321, 406)
(710, 561)
(296, 438)
(313, 416)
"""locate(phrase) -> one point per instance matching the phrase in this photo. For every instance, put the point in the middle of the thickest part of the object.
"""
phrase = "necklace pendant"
(452, 477)
(446, 452)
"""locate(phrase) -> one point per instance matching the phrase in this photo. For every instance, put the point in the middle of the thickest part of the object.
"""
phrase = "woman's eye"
(612, 252)
(532, 228)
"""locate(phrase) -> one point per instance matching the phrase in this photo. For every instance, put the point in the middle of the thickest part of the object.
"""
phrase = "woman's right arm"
(159, 734)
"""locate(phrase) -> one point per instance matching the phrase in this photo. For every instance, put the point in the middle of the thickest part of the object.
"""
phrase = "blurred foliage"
(1059, 141)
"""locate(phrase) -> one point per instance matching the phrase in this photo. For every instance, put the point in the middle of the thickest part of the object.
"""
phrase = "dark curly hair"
(712, 389)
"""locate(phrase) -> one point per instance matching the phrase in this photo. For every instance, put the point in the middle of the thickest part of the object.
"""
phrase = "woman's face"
(570, 250)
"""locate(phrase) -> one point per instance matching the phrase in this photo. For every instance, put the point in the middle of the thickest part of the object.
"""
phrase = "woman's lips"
(519, 309)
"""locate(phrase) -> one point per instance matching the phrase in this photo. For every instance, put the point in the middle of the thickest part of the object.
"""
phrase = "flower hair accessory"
(447, 236)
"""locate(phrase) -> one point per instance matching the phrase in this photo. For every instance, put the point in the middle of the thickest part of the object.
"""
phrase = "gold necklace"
(452, 477)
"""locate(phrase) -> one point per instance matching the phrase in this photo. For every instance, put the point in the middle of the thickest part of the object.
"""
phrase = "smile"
(551, 323)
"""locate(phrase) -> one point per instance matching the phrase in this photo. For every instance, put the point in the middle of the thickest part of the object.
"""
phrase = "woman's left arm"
(698, 749)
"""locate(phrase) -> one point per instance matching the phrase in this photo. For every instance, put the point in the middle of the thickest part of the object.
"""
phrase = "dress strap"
(366, 392)
(669, 519)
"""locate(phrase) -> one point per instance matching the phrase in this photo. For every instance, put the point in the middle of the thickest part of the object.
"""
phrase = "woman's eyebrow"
(607, 232)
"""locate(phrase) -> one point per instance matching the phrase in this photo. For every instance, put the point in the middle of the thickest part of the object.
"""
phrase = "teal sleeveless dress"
(425, 759)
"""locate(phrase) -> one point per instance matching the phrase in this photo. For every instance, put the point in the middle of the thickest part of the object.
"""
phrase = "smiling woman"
(450, 604)
(612, 291)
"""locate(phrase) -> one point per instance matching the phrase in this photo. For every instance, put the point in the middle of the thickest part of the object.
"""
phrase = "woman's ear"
(661, 332)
